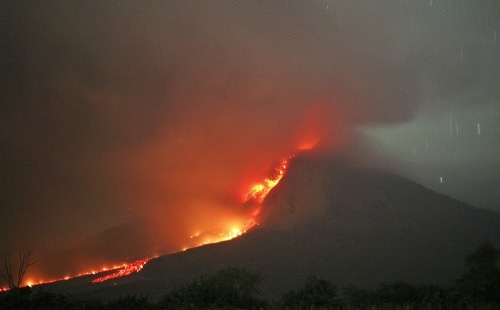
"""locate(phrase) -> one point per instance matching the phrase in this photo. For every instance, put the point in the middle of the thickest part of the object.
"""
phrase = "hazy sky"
(168, 110)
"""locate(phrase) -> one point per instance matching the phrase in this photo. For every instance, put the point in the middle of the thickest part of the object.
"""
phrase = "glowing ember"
(124, 271)
(259, 191)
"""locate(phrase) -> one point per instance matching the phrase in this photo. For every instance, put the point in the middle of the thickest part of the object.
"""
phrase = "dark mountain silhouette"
(328, 218)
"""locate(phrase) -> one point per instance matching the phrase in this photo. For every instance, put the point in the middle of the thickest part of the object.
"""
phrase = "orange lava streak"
(259, 191)
(220, 236)
(124, 271)
(121, 270)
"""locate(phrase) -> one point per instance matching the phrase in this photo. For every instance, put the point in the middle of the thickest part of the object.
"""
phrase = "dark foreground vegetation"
(232, 288)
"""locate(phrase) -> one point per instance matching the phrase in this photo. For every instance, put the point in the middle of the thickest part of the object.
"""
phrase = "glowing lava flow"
(120, 271)
(124, 271)
(259, 191)
(220, 236)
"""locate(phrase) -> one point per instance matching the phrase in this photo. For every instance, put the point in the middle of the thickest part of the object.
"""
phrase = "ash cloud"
(167, 110)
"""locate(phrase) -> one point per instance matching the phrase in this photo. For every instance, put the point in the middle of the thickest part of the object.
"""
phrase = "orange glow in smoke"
(308, 144)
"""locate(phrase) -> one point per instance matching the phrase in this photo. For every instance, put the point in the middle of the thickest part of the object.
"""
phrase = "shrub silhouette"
(130, 302)
(229, 288)
(481, 282)
(316, 292)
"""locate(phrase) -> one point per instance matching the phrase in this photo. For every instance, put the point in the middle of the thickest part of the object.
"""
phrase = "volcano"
(335, 220)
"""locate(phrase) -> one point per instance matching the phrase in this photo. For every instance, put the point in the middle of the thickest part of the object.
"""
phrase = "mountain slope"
(347, 224)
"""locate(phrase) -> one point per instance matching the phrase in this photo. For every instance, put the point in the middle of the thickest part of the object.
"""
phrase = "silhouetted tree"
(90, 304)
(434, 296)
(45, 300)
(27, 298)
(8, 272)
(130, 302)
(399, 293)
(16, 298)
(481, 282)
(316, 292)
(356, 298)
(229, 288)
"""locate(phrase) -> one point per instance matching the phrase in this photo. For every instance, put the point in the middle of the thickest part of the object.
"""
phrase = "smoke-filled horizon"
(169, 111)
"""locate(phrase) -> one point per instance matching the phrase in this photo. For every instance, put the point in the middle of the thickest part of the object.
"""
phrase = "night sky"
(168, 111)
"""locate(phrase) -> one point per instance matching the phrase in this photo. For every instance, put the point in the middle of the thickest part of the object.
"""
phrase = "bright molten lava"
(259, 191)
(256, 192)
(121, 270)
(222, 235)
(124, 271)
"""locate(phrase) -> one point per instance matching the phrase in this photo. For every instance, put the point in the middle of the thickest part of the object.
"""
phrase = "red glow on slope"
(124, 271)
(257, 192)
(120, 270)
(260, 190)
(223, 235)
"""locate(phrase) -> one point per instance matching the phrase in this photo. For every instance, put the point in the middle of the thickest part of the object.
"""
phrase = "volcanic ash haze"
(169, 111)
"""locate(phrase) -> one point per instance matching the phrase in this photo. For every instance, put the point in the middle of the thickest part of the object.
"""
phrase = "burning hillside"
(232, 229)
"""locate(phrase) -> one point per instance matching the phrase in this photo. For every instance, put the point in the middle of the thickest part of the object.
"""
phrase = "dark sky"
(168, 110)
